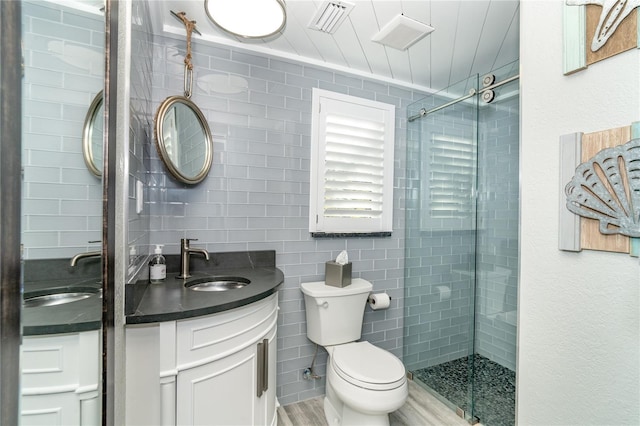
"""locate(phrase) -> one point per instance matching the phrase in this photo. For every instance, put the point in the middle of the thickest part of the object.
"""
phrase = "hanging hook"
(188, 81)
(181, 16)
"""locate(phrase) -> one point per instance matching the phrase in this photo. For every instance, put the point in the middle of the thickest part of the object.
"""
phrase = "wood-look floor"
(421, 409)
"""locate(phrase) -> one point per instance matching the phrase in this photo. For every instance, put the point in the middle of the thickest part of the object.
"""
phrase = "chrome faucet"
(79, 256)
(185, 251)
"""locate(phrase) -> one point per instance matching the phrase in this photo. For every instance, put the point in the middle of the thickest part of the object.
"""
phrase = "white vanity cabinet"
(60, 374)
(218, 369)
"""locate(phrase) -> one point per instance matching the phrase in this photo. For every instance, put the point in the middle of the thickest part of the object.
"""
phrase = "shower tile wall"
(498, 212)
(439, 253)
(257, 193)
(438, 330)
(62, 200)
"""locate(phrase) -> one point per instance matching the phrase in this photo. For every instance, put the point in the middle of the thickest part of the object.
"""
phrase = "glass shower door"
(461, 267)
(440, 254)
(497, 253)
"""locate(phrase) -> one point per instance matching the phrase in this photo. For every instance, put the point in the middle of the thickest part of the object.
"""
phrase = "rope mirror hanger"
(181, 132)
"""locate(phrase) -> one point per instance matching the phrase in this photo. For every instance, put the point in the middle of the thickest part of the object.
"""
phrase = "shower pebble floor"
(494, 398)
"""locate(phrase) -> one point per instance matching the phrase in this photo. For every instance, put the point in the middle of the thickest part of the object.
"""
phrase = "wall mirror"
(181, 131)
(61, 212)
(183, 139)
(92, 136)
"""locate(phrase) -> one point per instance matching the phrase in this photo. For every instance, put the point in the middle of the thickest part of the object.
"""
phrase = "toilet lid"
(368, 366)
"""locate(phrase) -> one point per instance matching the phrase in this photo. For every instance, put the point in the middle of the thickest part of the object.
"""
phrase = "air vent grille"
(330, 15)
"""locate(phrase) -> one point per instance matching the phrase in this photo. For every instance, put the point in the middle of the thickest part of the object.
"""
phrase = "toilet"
(364, 383)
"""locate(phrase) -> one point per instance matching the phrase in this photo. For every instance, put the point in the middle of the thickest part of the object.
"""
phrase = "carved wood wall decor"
(595, 30)
(597, 169)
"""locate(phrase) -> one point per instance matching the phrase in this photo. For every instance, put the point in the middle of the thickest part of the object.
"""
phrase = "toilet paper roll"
(379, 301)
(444, 292)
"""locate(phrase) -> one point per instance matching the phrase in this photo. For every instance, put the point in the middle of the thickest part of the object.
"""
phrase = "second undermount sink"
(59, 297)
(217, 283)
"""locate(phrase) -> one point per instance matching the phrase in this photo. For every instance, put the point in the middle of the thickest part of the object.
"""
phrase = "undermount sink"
(217, 283)
(57, 298)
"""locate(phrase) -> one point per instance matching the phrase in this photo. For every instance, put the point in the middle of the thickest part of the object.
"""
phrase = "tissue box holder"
(337, 275)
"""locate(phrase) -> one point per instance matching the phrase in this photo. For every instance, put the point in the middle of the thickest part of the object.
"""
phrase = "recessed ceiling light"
(248, 19)
(401, 32)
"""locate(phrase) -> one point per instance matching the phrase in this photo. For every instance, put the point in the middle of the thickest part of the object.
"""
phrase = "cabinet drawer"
(59, 362)
(215, 336)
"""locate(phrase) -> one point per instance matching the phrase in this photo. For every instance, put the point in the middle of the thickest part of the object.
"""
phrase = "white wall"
(579, 313)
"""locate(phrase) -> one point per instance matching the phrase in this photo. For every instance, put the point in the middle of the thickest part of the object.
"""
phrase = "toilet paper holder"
(379, 301)
(370, 299)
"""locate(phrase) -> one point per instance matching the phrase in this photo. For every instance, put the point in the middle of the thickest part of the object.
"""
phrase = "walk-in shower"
(461, 267)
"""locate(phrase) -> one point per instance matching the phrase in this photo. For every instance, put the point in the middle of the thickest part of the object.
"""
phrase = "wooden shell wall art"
(598, 29)
(600, 191)
(607, 188)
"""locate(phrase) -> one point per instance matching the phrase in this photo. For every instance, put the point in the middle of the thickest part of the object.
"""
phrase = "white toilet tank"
(334, 314)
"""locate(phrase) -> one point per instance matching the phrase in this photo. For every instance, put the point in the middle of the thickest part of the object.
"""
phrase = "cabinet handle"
(263, 367)
(265, 370)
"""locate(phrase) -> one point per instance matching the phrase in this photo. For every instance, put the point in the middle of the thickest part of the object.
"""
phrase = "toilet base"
(338, 413)
(352, 418)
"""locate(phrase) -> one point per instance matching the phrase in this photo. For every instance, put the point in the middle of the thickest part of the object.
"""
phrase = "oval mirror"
(92, 136)
(183, 139)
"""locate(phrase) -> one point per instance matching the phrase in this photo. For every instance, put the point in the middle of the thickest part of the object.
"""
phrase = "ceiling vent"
(402, 32)
(330, 16)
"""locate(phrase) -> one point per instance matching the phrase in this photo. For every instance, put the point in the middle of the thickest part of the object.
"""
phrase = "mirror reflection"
(61, 213)
(92, 136)
(183, 139)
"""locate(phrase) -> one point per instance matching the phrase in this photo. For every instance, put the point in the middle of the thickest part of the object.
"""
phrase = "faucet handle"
(184, 242)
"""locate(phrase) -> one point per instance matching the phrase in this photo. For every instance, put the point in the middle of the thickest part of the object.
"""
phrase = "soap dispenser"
(157, 266)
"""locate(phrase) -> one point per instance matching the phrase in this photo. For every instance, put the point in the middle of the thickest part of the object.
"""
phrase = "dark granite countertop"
(144, 302)
(55, 276)
(170, 300)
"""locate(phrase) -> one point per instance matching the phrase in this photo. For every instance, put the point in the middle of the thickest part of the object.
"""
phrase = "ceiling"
(471, 36)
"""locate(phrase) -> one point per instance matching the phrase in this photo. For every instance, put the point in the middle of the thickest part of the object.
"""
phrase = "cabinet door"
(59, 409)
(222, 392)
(268, 398)
(266, 414)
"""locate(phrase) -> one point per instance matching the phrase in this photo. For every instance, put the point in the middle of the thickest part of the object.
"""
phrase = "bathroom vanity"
(60, 379)
(61, 344)
(204, 357)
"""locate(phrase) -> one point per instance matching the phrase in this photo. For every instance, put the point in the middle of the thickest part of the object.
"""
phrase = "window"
(448, 176)
(352, 143)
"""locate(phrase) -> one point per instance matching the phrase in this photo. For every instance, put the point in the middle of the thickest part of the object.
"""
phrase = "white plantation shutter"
(351, 164)
(448, 174)
(452, 177)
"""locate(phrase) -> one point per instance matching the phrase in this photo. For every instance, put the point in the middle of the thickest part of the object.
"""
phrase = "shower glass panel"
(441, 243)
(461, 271)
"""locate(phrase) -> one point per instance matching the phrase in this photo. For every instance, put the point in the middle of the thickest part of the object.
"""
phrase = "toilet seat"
(367, 366)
